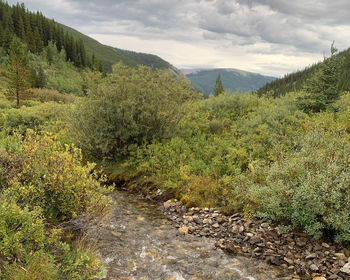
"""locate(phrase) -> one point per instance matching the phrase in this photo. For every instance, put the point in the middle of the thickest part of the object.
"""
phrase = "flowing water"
(138, 242)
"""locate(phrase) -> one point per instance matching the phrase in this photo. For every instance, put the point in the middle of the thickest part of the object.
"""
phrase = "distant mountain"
(109, 55)
(232, 79)
(296, 81)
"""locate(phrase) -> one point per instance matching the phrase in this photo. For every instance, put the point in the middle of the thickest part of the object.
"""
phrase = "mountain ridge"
(233, 79)
(109, 55)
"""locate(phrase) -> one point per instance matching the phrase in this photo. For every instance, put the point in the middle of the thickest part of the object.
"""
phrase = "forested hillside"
(109, 55)
(232, 79)
(36, 32)
(296, 81)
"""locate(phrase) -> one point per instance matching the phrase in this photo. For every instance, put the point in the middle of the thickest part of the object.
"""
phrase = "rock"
(231, 248)
(325, 245)
(183, 229)
(346, 269)
(188, 218)
(275, 260)
(314, 267)
(340, 256)
(289, 261)
(197, 220)
(311, 256)
(167, 204)
(264, 225)
(319, 278)
(235, 229)
(254, 240)
(216, 225)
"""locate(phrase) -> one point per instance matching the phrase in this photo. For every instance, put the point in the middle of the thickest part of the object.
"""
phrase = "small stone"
(167, 204)
(311, 256)
(197, 220)
(346, 269)
(314, 267)
(275, 260)
(340, 256)
(319, 278)
(183, 229)
(325, 245)
(264, 225)
(241, 229)
(216, 225)
(254, 240)
(235, 229)
(289, 261)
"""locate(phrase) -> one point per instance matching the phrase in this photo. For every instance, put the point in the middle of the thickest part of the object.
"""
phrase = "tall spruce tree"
(18, 70)
(218, 86)
(322, 90)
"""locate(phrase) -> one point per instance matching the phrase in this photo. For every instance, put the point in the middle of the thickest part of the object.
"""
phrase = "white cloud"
(268, 36)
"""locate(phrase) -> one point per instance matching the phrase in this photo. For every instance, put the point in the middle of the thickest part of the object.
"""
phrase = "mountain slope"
(232, 79)
(295, 81)
(109, 55)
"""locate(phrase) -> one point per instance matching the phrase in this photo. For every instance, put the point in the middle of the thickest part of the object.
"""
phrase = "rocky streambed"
(301, 257)
(140, 241)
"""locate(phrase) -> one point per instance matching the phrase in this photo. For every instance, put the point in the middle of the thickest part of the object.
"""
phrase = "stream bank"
(137, 241)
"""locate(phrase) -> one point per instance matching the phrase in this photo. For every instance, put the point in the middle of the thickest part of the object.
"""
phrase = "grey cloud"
(298, 27)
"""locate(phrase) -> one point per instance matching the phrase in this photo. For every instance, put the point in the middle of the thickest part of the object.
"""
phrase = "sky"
(271, 37)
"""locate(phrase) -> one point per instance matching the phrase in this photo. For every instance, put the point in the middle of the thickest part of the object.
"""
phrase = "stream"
(136, 241)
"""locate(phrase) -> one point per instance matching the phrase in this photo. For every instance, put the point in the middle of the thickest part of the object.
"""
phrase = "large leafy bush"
(38, 171)
(129, 107)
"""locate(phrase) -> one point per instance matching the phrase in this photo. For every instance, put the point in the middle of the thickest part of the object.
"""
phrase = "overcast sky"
(271, 37)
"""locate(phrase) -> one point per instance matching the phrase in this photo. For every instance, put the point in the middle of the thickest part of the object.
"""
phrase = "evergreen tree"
(218, 86)
(322, 90)
(18, 70)
(41, 78)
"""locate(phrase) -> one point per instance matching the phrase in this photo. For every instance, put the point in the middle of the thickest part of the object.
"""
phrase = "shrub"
(46, 95)
(36, 117)
(129, 107)
(309, 187)
(21, 231)
(40, 265)
(40, 172)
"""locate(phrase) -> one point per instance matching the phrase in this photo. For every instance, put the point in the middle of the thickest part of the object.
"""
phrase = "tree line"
(297, 80)
(36, 31)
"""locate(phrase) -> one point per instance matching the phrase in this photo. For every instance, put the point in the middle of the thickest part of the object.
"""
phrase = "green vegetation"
(280, 157)
(44, 183)
(36, 32)
(218, 86)
(232, 80)
(296, 81)
(127, 108)
(323, 88)
(109, 56)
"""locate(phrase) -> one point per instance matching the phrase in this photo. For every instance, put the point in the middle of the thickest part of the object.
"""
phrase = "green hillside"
(296, 81)
(232, 79)
(109, 55)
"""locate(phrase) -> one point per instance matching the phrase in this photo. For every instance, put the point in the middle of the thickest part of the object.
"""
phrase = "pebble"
(246, 237)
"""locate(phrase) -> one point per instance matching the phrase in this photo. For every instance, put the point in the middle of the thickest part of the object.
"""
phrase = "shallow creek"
(138, 242)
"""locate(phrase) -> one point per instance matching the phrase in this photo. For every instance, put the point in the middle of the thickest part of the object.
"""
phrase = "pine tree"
(18, 70)
(218, 86)
(41, 78)
(322, 90)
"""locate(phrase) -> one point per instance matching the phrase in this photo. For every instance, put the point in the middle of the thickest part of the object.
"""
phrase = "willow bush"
(129, 107)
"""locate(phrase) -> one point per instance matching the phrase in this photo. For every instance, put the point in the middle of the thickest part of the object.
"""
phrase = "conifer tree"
(322, 90)
(18, 70)
(218, 86)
